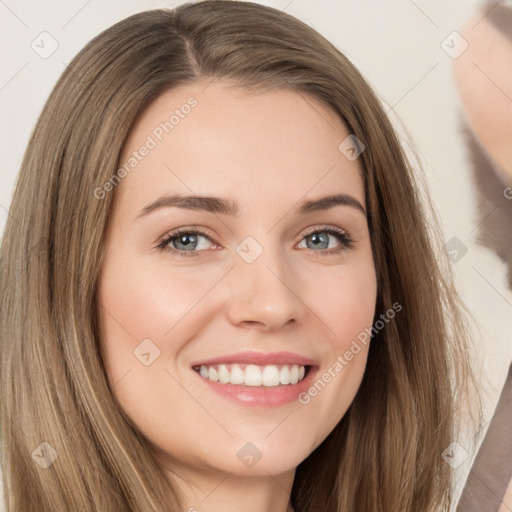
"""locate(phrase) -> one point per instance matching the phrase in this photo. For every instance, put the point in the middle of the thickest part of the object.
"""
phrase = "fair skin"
(269, 152)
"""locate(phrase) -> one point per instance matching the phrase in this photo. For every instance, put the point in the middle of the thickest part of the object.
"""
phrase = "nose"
(264, 294)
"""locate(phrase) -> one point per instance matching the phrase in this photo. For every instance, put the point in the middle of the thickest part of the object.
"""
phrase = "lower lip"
(263, 396)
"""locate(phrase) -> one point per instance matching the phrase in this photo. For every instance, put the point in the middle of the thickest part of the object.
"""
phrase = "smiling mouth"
(254, 375)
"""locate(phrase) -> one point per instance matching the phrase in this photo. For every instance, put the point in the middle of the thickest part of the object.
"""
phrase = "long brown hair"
(385, 454)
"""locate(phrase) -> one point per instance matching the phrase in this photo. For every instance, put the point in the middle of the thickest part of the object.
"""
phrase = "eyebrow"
(218, 205)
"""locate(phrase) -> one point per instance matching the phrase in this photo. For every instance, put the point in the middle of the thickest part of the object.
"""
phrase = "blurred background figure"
(483, 78)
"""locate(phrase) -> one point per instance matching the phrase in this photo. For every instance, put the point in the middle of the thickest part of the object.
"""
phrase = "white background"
(397, 46)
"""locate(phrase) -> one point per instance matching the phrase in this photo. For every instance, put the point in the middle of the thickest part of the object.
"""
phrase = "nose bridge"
(262, 288)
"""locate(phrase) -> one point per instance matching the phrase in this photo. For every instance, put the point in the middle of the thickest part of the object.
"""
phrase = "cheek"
(346, 302)
(141, 302)
(148, 301)
(156, 302)
(346, 305)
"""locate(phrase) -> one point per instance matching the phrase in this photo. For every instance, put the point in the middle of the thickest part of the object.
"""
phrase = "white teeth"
(254, 375)
(284, 376)
(294, 374)
(270, 376)
(223, 374)
(237, 375)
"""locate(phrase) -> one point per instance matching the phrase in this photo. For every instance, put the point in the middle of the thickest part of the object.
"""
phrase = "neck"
(228, 492)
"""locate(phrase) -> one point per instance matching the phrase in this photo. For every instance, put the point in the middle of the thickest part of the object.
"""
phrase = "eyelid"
(323, 227)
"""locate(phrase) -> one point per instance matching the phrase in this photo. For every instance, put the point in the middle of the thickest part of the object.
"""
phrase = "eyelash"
(346, 240)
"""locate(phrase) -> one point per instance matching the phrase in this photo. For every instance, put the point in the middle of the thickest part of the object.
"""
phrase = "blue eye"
(320, 239)
(185, 242)
(192, 242)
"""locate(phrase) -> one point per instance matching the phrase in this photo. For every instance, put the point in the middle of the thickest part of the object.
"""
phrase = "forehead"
(218, 139)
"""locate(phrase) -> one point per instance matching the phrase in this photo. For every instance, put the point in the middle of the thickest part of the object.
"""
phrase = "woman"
(227, 297)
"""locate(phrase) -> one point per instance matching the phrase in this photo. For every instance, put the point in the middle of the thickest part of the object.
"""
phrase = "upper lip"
(259, 358)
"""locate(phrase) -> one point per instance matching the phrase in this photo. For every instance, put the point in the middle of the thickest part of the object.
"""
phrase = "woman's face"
(206, 331)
